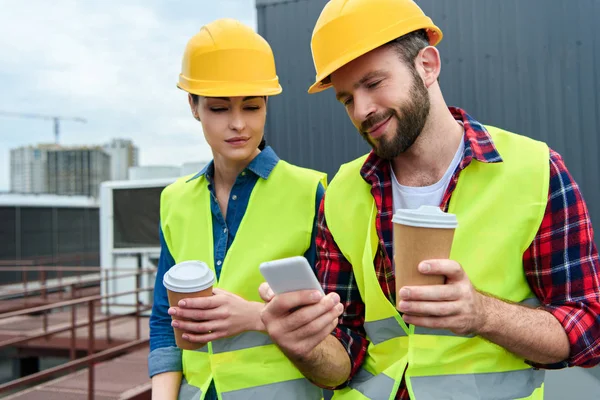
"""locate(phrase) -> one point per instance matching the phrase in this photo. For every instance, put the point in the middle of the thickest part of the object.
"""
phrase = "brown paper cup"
(174, 299)
(414, 244)
(188, 279)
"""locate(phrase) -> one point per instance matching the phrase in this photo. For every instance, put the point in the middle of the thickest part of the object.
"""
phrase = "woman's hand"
(222, 315)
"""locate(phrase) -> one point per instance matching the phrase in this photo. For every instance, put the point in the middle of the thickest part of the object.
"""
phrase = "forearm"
(165, 386)
(533, 334)
(328, 365)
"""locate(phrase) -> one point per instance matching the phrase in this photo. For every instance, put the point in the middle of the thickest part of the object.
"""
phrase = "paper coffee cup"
(421, 234)
(185, 280)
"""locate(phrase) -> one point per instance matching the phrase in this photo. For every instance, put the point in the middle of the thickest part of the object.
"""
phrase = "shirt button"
(225, 230)
(219, 262)
(234, 197)
(244, 173)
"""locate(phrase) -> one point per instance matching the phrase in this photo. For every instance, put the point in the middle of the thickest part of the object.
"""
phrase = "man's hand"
(222, 315)
(534, 334)
(299, 321)
(455, 306)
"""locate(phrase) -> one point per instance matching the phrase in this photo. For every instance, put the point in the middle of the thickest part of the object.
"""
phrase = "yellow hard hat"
(347, 29)
(226, 59)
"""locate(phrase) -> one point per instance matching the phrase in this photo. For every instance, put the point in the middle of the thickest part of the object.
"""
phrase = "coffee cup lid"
(189, 277)
(425, 217)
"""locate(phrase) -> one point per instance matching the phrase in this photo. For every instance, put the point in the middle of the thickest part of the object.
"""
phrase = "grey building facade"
(77, 171)
(123, 155)
(28, 169)
(48, 232)
(531, 67)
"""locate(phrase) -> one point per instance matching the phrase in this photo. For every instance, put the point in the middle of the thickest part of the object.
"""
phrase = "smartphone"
(289, 275)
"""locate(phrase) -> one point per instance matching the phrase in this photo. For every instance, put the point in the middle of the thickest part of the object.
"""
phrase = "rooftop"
(45, 200)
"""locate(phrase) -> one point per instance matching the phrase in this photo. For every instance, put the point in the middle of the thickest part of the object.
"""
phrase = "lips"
(378, 129)
(237, 140)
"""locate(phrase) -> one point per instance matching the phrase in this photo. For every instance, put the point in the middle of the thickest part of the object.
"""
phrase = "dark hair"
(409, 45)
(263, 142)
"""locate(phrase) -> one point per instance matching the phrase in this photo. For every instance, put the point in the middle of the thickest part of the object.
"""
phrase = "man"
(522, 288)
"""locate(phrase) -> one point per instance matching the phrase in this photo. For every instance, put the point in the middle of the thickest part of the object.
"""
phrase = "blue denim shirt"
(164, 355)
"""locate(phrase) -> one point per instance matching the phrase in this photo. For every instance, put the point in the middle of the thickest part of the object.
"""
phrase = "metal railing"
(74, 303)
(60, 287)
(76, 258)
(73, 288)
(43, 288)
(84, 261)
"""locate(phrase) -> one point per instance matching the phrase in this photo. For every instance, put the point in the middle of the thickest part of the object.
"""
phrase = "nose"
(363, 108)
(237, 122)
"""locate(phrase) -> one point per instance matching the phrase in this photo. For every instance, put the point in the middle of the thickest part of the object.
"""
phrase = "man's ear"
(429, 63)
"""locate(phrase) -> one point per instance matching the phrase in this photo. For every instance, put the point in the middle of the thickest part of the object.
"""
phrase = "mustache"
(374, 120)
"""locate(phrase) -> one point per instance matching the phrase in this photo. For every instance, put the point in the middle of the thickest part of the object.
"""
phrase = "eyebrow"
(244, 99)
(361, 82)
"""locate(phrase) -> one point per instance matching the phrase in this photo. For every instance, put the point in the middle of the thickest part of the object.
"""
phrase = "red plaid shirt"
(561, 264)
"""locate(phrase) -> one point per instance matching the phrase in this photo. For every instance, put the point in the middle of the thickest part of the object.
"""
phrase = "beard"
(410, 120)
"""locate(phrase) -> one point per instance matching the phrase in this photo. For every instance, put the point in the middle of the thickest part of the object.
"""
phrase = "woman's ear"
(193, 106)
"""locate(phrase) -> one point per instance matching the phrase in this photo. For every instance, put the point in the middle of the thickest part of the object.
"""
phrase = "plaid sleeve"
(335, 274)
(562, 267)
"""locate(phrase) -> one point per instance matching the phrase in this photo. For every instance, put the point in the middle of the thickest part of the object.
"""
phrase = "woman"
(245, 207)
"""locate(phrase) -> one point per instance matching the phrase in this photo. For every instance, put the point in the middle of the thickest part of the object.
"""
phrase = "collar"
(478, 146)
(262, 165)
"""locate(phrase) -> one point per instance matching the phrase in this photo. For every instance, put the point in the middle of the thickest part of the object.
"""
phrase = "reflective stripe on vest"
(420, 330)
(487, 386)
(188, 392)
(382, 330)
(493, 233)
(242, 341)
(297, 389)
(386, 329)
(521, 383)
(278, 223)
(371, 386)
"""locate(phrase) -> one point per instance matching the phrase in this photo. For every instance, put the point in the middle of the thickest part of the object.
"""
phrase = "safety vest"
(278, 223)
(499, 207)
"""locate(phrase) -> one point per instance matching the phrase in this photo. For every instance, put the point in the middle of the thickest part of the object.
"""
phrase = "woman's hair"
(263, 142)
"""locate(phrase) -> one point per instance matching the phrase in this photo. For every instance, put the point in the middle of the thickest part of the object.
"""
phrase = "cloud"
(113, 63)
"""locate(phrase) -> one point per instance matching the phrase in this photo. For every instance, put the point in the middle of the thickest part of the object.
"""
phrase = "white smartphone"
(289, 275)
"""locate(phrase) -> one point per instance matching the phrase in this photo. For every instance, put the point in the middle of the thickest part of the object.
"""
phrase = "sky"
(114, 63)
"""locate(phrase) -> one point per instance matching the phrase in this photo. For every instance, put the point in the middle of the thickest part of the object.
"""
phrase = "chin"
(240, 154)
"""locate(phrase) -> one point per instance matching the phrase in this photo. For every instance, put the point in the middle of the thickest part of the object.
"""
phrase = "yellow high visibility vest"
(278, 223)
(499, 207)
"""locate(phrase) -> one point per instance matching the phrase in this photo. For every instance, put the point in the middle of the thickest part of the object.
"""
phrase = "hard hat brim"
(380, 38)
(230, 89)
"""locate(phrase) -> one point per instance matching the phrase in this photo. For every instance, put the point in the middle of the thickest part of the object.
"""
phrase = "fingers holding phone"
(265, 292)
(299, 321)
(298, 315)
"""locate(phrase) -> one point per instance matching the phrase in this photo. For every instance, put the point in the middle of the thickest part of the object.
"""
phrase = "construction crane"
(55, 119)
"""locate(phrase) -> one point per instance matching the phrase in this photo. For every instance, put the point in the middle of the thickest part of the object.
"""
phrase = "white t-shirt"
(414, 197)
